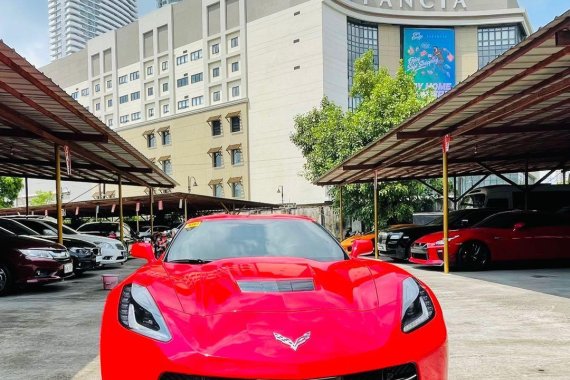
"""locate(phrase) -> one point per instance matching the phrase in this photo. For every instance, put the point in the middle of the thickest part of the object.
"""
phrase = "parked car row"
(30, 253)
(478, 237)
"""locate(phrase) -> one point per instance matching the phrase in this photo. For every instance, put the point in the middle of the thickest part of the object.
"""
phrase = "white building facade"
(274, 59)
(73, 22)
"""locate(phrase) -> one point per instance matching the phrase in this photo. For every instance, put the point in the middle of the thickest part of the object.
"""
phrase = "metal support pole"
(121, 221)
(27, 198)
(340, 215)
(376, 215)
(58, 194)
(185, 209)
(445, 216)
(151, 196)
(138, 227)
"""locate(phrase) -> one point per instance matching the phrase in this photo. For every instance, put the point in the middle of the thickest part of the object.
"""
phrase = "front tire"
(474, 255)
(5, 280)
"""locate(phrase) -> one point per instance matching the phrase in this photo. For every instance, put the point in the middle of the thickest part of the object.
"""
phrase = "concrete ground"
(502, 324)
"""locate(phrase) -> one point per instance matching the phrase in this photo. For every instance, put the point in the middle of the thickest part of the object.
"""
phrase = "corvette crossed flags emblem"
(294, 345)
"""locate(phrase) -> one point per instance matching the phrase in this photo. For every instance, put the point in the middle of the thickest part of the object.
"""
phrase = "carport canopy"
(511, 116)
(36, 115)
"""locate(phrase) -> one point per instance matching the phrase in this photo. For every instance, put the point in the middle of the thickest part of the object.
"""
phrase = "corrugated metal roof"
(35, 115)
(510, 116)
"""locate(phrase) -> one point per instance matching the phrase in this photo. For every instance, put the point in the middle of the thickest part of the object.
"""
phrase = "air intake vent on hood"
(280, 286)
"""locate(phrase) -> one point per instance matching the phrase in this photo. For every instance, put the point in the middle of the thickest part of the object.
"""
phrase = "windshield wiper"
(190, 261)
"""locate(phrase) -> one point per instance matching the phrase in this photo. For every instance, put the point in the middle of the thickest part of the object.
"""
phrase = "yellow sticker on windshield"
(193, 224)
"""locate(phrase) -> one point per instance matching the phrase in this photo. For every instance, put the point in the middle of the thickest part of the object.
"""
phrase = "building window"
(216, 127)
(109, 84)
(167, 167)
(165, 87)
(234, 42)
(217, 159)
(123, 99)
(215, 72)
(134, 75)
(198, 100)
(216, 96)
(150, 112)
(235, 67)
(494, 41)
(165, 109)
(183, 104)
(123, 79)
(164, 65)
(85, 92)
(135, 95)
(97, 87)
(195, 55)
(135, 116)
(237, 190)
(149, 70)
(182, 82)
(196, 78)
(124, 119)
(235, 123)
(215, 48)
(361, 37)
(235, 91)
(109, 122)
(109, 103)
(166, 138)
(218, 190)
(150, 91)
(181, 60)
(97, 106)
(151, 140)
(237, 156)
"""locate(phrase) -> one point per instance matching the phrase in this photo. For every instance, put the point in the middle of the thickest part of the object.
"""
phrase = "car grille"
(419, 251)
(401, 372)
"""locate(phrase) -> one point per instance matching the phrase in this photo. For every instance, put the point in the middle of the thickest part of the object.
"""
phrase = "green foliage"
(327, 136)
(9, 189)
(43, 198)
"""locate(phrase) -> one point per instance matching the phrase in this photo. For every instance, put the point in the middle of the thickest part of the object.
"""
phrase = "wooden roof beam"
(84, 137)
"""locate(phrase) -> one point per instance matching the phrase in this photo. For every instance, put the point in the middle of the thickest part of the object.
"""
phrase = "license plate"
(382, 247)
(68, 268)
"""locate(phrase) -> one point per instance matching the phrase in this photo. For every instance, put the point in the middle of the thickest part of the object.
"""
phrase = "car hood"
(71, 242)
(93, 239)
(24, 242)
(267, 285)
(414, 230)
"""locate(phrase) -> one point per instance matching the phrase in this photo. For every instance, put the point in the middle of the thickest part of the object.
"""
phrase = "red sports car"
(269, 297)
(506, 236)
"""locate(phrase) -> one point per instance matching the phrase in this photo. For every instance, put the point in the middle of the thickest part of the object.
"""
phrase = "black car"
(31, 261)
(83, 254)
(396, 242)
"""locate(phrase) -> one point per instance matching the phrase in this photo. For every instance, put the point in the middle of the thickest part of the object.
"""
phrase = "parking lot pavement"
(52, 332)
(504, 324)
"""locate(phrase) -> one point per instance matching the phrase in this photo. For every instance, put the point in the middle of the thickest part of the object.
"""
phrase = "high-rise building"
(162, 3)
(73, 22)
(209, 89)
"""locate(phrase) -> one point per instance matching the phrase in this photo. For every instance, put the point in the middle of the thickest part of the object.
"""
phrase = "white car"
(112, 250)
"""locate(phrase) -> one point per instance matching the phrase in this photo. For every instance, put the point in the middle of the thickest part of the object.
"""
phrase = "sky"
(24, 23)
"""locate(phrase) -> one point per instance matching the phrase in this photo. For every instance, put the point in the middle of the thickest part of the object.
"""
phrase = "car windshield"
(220, 239)
(66, 230)
(17, 228)
(473, 201)
(99, 227)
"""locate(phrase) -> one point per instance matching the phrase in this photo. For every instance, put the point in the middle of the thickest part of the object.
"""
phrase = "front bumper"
(429, 254)
(43, 271)
(200, 348)
(114, 255)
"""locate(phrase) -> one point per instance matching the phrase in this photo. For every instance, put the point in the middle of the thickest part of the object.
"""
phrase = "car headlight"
(104, 245)
(138, 312)
(417, 307)
(43, 253)
(80, 251)
(440, 242)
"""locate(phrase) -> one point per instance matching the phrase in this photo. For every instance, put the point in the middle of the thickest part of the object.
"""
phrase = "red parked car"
(28, 260)
(269, 297)
(506, 236)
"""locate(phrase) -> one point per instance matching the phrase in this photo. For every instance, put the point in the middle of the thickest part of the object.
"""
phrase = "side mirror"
(518, 226)
(465, 223)
(361, 247)
(143, 251)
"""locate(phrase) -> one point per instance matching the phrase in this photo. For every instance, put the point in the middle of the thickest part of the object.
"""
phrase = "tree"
(43, 198)
(327, 136)
(9, 189)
